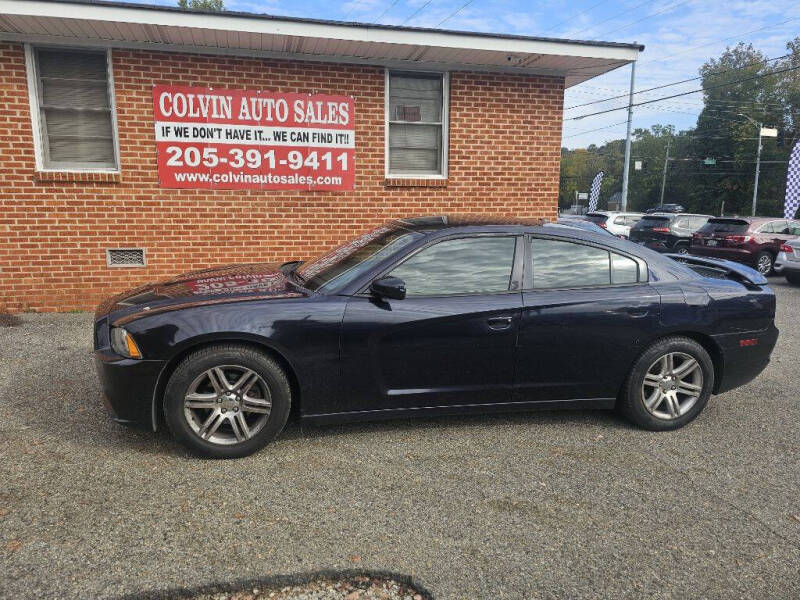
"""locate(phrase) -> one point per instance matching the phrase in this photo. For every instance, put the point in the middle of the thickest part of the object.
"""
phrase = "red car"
(754, 241)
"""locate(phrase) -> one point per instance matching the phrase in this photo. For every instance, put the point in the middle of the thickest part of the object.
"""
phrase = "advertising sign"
(248, 139)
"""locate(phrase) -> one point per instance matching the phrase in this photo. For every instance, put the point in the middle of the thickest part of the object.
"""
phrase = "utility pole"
(762, 131)
(758, 170)
(626, 168)
(664, 175)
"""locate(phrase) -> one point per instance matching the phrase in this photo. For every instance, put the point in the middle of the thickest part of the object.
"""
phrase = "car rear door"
(586, 314)
(450, 341)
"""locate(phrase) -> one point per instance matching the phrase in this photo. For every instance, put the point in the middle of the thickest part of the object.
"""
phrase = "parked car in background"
(582, 223)
(667, 232)
(754, 241)
(788, 261)
(618, 223)
(443, 315)
(666, 208)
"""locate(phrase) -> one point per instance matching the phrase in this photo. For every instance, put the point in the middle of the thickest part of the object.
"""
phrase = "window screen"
(416, 121)
(478, 265)
(75, 118)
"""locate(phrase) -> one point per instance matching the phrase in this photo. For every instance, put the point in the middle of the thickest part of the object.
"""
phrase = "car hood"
(219, 285)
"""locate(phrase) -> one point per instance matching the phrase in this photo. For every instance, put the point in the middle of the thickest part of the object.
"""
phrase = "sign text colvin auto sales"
(243, 139)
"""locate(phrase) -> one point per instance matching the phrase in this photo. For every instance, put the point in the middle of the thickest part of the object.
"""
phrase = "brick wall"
(505, 135)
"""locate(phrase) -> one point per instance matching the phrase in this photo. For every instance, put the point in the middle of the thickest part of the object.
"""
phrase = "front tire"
(227, 401)
(793, 278)
(668, 386)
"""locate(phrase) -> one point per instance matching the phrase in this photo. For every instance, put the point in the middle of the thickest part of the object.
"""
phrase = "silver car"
(788, 261)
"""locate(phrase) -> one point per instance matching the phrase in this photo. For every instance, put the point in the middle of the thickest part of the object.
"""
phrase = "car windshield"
(343, 264)
(735, 226)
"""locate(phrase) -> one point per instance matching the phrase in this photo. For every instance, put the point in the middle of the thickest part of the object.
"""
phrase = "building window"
(416, 124)
(73, 109)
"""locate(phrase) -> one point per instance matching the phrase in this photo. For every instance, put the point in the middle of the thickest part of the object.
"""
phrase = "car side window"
(561, 264)
(682, 223)
(471, 265)
(767, 228)
(619, 221)
(698, 222)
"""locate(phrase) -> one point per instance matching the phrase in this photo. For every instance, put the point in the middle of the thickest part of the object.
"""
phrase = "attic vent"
(125, 257)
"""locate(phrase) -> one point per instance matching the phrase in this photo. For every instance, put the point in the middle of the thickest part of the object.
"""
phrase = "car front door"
(450, 341)
(587, 312)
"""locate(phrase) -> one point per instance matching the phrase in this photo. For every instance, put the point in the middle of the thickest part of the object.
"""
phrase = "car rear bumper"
(744, 357)
(784, 263)
(128, 386)
(741, 255)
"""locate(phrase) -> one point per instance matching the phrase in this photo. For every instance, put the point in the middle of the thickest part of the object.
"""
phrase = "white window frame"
(445, 126)
(33, 98)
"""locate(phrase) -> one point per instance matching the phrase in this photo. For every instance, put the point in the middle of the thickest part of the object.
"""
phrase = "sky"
(679, 35)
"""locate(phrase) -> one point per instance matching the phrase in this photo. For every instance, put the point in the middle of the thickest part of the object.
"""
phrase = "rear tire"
(793, 278)
(764, 262)
(682, 249)
(658, 395)
(227, 401)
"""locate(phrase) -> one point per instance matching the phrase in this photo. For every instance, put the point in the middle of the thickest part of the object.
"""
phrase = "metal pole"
(758, 170)
(664, 176)
(626, 168)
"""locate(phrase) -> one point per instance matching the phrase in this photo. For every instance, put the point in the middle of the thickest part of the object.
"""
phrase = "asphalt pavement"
(572, 504)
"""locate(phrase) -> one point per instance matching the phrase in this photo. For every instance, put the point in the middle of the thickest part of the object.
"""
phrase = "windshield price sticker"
(242, 139)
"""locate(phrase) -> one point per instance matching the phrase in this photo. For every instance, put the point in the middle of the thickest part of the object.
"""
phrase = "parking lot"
(540, 505)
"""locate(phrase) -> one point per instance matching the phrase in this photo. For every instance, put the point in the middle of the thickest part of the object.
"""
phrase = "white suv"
(618, 223)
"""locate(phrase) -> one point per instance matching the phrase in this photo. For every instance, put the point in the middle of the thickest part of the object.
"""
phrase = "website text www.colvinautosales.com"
(257, 178)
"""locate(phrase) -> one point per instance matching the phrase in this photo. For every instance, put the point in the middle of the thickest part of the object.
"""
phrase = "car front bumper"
(128, 388)
(744, 356)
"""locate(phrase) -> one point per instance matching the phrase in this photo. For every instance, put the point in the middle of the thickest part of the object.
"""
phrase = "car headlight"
(122, 343)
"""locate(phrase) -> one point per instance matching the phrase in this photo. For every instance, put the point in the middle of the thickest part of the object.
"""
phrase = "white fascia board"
(277, 26)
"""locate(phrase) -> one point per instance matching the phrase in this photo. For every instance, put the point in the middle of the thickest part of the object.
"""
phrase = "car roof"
(680, 214)
(439, 222)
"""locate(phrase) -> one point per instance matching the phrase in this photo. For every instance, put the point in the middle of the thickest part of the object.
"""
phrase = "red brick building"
(432, 122)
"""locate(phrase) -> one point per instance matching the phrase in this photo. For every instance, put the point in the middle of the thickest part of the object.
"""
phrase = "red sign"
(241, 139)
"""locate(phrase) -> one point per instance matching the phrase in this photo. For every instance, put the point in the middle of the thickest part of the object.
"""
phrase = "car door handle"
(636, 313)
(499, 323)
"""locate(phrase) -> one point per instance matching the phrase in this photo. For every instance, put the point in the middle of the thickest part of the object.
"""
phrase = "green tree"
(206, 5)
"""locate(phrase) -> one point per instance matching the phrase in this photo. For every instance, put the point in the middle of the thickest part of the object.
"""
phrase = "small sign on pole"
(583, 195)
(769, 132)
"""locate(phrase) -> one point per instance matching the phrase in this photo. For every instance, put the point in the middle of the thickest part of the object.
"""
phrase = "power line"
(455, 12)
(659, 87)
(713, 87)
(577, 14)
(593, 130)
(738, 35)
(388, 8)
(416, 12)
(642, 19)
(624, 12)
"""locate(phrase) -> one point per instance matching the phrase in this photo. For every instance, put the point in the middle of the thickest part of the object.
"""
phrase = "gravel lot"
(540, 505)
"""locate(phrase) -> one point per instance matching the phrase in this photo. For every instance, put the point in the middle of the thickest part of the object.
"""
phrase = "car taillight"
(661, 229)
(742, 239)
(786, 248)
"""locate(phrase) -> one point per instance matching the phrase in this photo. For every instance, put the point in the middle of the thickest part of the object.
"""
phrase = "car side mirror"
(389, 287)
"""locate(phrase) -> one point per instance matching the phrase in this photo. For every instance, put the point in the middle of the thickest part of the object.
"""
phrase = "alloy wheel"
(227, 405)
(672, 385)
(764, 264)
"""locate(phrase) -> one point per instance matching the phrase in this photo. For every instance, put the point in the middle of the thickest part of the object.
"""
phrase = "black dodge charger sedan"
(432, 316)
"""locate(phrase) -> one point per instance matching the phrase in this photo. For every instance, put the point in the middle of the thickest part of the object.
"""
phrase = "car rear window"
(725, 226)
(597, 218)
(653, 222)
